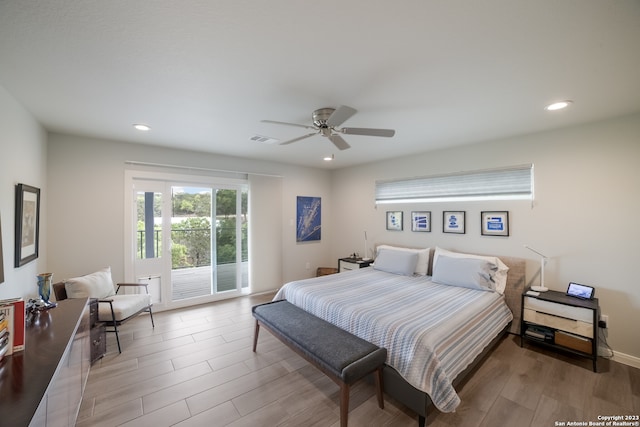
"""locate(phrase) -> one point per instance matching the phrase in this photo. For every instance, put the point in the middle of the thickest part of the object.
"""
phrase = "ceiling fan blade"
(340, 115)
(287, 124)
(339, 142)
(298, 138)
(368, 131)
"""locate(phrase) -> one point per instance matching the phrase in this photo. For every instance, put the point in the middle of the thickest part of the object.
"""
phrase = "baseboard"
(271, 291)
(626, 359)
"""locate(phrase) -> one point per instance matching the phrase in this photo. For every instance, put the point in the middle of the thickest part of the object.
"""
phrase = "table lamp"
(543, 261)
(366, 248)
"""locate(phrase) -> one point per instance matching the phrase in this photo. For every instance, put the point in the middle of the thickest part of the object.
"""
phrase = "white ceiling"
(203, 73)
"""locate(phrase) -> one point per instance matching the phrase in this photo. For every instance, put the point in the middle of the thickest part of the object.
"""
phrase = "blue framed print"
(494, 223)
(308, 219)
(421, 221)
(453, 222)
(394, 220)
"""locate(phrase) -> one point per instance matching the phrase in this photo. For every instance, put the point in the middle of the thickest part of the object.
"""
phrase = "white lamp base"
(539, 289)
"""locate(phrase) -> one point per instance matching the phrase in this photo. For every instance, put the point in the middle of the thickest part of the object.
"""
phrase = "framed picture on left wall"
(27, 224)
(1, 256)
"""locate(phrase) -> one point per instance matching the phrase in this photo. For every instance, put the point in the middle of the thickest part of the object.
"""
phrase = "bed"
(436, 312)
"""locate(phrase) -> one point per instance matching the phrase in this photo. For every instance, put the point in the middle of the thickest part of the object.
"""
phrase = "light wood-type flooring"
(196, 368)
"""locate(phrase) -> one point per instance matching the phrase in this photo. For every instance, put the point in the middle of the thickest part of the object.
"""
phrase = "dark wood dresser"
(43, 385)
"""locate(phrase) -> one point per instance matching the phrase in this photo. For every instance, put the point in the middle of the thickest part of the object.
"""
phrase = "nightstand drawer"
(561, 310)
(347, 264)
(98, 342)
(93, 312)
(577, 327)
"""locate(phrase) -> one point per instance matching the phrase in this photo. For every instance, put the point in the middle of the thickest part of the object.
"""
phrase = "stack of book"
(12, 326)
(4, 335)
(539, 333)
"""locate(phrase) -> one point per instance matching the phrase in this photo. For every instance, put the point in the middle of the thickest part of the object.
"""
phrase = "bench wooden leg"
(344, 404)
(256, 331)
(379, 387)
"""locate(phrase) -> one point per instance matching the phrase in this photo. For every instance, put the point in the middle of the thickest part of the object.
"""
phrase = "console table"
(43, 384)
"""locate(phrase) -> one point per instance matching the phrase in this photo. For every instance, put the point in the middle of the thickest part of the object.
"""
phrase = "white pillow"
(499, 277)
(422, 266)
(94, 285)
(470, 273)
(396, 262)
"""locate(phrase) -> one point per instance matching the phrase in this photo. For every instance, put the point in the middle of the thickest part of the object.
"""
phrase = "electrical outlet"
(307, 265)
(604, 321)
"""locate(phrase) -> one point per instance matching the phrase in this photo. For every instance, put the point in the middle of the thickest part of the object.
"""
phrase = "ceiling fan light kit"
(327, 121)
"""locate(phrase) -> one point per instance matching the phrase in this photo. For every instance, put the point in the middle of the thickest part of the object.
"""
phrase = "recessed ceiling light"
(558, 105)
(142, 127)
(328, 158)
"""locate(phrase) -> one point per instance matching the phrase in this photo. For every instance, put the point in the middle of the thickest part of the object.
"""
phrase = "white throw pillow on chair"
(95, 285)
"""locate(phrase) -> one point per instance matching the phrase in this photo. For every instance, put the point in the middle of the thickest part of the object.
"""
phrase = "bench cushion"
(346, 356)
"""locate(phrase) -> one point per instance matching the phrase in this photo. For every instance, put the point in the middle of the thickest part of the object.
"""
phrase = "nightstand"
(346, 264)
(556, 320)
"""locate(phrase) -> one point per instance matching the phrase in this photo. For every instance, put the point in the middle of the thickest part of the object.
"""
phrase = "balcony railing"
(182, 236)
(156, 243)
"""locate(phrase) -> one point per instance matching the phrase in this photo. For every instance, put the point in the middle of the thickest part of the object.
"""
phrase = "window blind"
(506, 183)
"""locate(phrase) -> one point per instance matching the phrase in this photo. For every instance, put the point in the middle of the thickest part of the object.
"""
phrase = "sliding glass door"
(191, 240)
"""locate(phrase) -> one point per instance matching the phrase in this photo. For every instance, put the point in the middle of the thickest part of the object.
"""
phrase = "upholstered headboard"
(516, 280)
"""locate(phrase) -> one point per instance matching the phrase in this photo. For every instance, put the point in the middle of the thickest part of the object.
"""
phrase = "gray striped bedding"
(432, 332)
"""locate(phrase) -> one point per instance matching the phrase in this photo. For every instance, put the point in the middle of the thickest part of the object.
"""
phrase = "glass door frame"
(170, 180)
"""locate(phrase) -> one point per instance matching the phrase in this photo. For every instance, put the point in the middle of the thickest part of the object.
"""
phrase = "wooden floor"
(196, 368)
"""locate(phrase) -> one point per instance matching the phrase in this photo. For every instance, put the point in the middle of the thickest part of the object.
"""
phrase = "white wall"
(86, 204)
(587, 185)
(23, 160)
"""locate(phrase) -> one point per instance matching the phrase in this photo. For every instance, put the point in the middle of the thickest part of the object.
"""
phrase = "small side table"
(561, 322)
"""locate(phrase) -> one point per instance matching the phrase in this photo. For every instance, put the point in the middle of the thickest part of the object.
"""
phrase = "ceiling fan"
(326, 122)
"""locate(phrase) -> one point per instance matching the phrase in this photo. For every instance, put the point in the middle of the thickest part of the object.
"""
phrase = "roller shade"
(496, 184)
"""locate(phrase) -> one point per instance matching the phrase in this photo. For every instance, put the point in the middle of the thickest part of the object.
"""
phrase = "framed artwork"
(308, 219)
(421, 221)
(494, 223)
(394, 220)
(27, 224)
(453, 222)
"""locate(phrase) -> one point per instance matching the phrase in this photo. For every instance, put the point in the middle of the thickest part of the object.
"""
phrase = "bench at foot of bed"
(343, 357)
